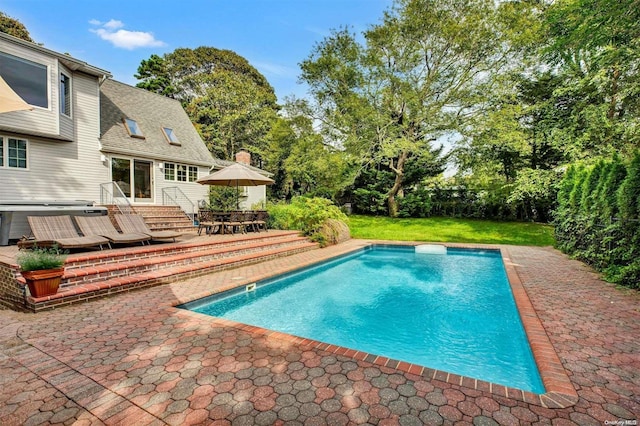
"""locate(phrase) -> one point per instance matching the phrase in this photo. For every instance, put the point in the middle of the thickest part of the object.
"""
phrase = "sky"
(115, 35)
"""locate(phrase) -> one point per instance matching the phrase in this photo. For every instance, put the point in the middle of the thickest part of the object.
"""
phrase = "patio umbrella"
(9, 100)
(235, 175)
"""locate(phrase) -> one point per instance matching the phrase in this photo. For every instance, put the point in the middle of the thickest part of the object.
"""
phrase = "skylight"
(133, 128)
(171, 136)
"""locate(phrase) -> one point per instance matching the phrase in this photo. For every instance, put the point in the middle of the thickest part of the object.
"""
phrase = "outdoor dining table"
(227, 221)
(220, 218)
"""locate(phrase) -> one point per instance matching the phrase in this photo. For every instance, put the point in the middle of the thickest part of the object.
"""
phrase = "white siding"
(256, 197)
(39, 119)
(63, 170)
(193, 190)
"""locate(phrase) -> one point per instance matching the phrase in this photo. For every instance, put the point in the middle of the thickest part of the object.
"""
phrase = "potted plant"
(42, 268)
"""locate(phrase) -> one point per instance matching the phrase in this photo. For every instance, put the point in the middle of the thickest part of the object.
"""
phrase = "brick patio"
(135, 359)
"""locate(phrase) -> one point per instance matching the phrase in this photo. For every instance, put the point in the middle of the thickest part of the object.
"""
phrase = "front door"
(134, 177)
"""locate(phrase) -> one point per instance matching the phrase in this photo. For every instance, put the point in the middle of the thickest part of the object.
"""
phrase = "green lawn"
(440, 229)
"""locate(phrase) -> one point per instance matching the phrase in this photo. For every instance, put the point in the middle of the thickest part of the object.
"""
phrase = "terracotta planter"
(43, 282)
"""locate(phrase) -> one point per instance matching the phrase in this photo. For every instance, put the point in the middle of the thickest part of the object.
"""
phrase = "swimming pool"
(452, 312)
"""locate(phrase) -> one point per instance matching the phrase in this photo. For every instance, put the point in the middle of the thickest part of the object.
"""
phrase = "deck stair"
(102, 273)
(161, 218)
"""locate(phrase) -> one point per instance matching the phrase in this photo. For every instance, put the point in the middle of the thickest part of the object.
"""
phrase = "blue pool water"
(452, 312)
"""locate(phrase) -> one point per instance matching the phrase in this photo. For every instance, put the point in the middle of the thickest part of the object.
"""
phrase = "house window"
(180, 172)
(65, 95)
(169, 171)
(193, 174)
(133, 128)
(28, 79)
(14, 154)
(171, 136)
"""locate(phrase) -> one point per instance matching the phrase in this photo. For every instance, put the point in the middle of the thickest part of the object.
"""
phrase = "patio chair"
(209, 221)
(249, 221)
(102, 226)
(260, 220)
(236, 221)
(61, 231)
(135, 223)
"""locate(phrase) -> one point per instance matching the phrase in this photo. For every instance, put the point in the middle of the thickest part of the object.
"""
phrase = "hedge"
(598, 217)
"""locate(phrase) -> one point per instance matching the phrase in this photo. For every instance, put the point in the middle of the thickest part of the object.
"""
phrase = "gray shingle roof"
(152, 112)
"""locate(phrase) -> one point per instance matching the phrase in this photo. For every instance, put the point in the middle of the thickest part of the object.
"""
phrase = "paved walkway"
(135, 360)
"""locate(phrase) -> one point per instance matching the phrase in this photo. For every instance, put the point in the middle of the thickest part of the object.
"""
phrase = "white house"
(149, 145)
(86, 131)
(53, 151)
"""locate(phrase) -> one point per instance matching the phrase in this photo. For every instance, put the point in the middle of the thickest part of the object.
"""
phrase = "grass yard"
(442, 229)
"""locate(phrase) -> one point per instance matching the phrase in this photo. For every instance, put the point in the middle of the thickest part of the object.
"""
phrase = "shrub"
(629, 192)
(534, 193)
(40, 258)
(369, 201)
(223, 198)
(598, 218)
(415, 204)
(332, 231)
(305, 214)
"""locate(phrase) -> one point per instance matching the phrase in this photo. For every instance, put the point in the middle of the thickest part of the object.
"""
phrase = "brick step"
(185, 228)
(169, 218)
(96, 258)
(85, 292)
(172, 218)
(168, 223)
(151, 209)
(106, 271)
(171, 225)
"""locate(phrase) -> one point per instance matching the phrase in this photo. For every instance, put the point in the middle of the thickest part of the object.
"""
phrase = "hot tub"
(13, 215)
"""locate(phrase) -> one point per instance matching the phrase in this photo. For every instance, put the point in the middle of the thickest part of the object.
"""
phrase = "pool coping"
(560, 392)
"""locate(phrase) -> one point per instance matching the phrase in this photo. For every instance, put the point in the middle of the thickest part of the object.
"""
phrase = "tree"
(14, 27)
(302, 163)
(231, 114)
(189, 69)
(419, 74)
(595, 47)
(155, 76)
(231, 104)
(572, 97)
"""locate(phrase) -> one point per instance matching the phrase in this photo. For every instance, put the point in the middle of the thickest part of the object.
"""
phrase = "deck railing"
(173, 196)
(111, 194)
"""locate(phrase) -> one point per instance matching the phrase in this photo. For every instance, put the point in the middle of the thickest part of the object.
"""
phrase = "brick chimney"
(243, 157)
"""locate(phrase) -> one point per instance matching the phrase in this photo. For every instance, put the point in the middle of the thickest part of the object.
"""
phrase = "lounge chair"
(135, 223)
(102, 226)
(61, 231)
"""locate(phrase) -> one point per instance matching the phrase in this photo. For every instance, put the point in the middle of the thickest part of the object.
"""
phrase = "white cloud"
(124, 39)
(114, 24)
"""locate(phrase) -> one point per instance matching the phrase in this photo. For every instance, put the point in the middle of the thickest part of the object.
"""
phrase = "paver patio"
(135, 359)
